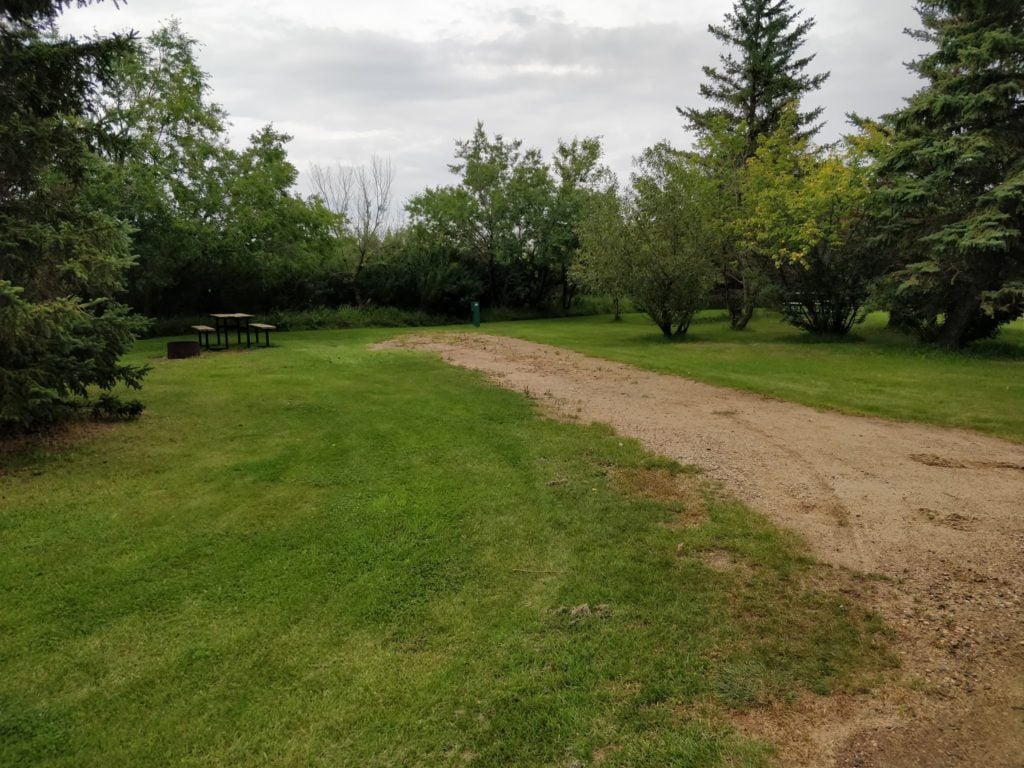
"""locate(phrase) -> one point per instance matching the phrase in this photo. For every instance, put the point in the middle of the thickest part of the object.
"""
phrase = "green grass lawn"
(875, 372)
(319, 555)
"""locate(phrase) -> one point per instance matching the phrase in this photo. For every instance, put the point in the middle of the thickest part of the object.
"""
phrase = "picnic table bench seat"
(204, 331)
(266, 328)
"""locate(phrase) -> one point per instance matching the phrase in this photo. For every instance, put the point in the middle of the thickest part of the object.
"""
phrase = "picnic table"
(224, 321)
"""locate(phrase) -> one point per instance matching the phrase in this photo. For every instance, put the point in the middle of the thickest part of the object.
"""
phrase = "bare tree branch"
(362, 195)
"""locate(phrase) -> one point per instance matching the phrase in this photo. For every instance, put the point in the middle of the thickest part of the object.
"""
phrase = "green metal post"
(475, 306)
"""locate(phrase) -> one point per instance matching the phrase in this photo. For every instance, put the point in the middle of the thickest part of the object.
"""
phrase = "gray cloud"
(529, 71)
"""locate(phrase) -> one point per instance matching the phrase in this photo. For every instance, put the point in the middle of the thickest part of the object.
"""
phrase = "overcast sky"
(406, 79)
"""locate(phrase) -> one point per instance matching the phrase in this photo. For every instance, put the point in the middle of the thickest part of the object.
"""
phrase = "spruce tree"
(952, 186)
(62, 261)
(762, 72)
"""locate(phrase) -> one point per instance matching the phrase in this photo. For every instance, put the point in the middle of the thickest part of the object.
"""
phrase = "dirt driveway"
(937, 513)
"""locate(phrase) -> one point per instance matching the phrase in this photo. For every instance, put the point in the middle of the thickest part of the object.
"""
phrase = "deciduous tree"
(360, 196)
(212, 226)
(804, 219)
(580, 177)
(276, 248)
(513, 215)
(603, 262)
(164, 176)
(672, 264)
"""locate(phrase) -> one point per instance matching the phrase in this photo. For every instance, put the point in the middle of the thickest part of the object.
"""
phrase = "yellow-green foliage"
(799, 199)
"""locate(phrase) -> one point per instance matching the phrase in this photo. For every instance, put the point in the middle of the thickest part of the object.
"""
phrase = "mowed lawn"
(875, 372)
(322, 555)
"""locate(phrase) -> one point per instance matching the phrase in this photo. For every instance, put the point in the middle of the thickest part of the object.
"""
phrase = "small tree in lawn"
(62, 261)
(672, 265)
(951, 197)
(804, 217)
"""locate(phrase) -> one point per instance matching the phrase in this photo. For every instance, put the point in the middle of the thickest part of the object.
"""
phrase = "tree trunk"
(618, 310)
(740, 322)
(683, 327)
(732, 302)
(492, 268)
(746, 307)
(356, 293)
(664, 321)
(953, 334)
(567, 290)
(741, 307)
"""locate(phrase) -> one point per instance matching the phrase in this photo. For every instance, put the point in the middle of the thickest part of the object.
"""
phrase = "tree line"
(121, 198)
(919, 212)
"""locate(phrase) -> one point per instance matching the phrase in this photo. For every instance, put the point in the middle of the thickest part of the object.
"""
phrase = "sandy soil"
(937, 514)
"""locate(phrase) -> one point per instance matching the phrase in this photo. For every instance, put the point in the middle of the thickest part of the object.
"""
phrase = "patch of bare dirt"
(683, 491)
(722, 560)
(601, 754)
(932, 516)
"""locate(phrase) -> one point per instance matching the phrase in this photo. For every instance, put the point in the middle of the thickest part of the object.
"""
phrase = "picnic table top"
(227, 315)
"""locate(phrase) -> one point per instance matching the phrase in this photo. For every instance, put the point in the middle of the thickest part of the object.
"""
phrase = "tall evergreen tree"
(62, 260)
(952, 186)
(762, 74)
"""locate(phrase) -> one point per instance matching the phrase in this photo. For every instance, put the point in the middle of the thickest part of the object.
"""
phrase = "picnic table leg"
(238, 331)
(216, 325)
(248, 341)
